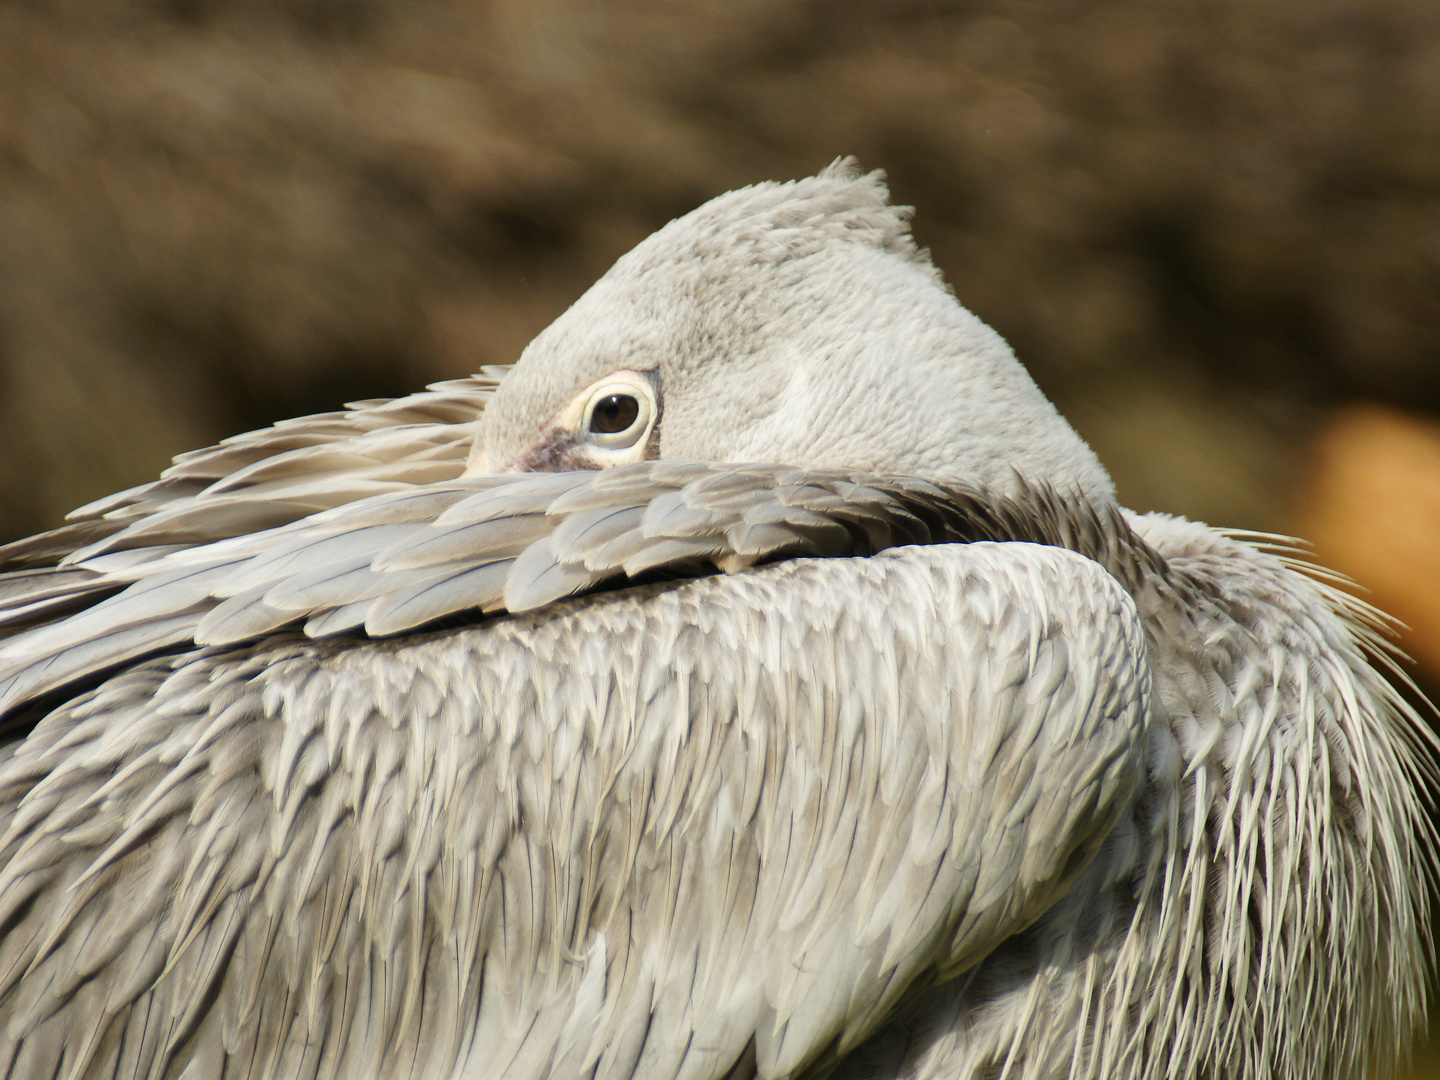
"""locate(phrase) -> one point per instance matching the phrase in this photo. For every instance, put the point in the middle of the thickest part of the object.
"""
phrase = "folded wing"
(641, 833)
(401, 560)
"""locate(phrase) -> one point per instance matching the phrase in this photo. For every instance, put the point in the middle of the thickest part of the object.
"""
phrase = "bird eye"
(613, 414)
(619, 413)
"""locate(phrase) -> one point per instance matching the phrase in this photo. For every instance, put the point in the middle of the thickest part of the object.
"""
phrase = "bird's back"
(1262, 910)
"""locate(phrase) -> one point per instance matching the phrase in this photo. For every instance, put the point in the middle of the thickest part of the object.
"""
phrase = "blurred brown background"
(1210, 227)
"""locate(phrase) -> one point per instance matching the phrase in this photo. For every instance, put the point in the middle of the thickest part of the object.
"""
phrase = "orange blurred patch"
(1372, 509)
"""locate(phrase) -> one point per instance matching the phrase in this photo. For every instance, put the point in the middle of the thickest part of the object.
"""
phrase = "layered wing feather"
(401, 560)
(660, 825)
(247, 484)
(278, 474)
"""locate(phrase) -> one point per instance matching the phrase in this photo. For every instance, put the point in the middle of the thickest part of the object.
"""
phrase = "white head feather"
(795, 323)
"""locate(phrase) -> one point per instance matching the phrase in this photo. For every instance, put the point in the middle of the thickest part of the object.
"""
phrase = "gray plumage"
(340, 752)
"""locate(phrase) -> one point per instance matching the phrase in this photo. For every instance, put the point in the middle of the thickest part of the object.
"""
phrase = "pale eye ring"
(617, 415)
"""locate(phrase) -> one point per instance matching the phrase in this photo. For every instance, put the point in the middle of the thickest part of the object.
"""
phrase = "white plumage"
(759, 680)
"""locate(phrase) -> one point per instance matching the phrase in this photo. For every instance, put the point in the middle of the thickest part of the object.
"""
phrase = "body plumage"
(344, 752)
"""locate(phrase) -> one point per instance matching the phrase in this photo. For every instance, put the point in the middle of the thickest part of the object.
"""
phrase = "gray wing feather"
(478, 588)
(251, 484)
(660, 825)
(276, 475)
(556, 534)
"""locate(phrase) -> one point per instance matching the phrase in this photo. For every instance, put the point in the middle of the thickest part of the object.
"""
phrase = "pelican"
(761, 679)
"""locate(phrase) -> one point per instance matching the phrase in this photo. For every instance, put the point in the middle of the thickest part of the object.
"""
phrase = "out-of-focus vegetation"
(1210, 227)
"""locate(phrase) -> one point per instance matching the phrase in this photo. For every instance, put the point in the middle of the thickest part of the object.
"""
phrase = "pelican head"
(786, 322)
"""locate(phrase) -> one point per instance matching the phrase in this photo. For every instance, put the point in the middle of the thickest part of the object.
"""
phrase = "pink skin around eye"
(557, 449)
(554, 452)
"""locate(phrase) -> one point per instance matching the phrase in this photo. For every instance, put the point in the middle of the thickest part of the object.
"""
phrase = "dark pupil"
(614, 414)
